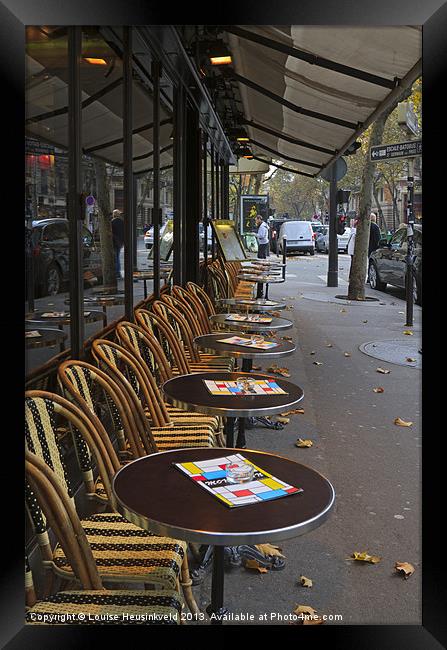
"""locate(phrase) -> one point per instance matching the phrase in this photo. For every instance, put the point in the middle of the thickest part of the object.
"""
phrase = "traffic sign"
(340, 168)
(90, 200)
(398, 150)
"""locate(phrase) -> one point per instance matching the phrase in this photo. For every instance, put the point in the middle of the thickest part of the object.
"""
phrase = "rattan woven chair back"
(157, 326)
(188, 313)
(128, 370)
(138, 342)
(203, 297)
(195, 304)
(180, 325)
(86, 384)
(52, 498)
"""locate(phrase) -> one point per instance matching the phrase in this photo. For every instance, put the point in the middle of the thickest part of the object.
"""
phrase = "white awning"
(345, 104)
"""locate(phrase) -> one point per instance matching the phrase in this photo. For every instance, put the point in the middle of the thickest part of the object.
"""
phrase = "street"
(373, 464)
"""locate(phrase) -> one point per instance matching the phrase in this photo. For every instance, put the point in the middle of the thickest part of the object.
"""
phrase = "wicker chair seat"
(102, 607)
(125, 552)
(185, 417)
(178, 437)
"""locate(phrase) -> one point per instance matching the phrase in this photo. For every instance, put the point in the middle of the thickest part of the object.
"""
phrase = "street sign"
(340, 170)
(408, 118)
(398, 150)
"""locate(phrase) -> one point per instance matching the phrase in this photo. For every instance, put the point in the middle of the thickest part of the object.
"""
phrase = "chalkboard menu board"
(166, 242)
(229, 241)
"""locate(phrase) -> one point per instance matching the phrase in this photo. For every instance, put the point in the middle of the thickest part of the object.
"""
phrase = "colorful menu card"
(211, 475)
(257, 387)
(249, 319)
(248, 343)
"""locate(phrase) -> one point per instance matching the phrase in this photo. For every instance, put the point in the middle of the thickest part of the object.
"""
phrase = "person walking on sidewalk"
(118, 239)
(374, 234)
(263, 245)
(351, 244)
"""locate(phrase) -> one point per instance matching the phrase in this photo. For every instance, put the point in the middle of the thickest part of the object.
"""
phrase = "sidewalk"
(373, 464)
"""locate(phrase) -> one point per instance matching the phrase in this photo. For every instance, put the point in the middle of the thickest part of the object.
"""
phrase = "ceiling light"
(219, 54)
(95, 61)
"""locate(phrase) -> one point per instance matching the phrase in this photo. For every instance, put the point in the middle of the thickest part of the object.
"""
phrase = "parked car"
(50, 252)
(274, 228)
(322, 241)
(299, 237)
(149, 235)
(387, 264)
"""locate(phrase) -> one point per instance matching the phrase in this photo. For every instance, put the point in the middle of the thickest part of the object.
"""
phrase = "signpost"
(333, 174)
(391, 152)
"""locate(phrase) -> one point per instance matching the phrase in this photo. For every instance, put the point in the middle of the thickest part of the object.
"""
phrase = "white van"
(299, 237)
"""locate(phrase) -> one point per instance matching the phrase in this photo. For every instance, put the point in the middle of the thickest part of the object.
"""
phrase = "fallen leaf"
(347, 354)
(410, 360)
(406, 568)
(290, 308)
(383, 371)
(287, 338)
(407, 332)
(307, 615)
(283, 420)
(342, 311)
(329, 345)
(379, 389)
(313, 352)
(270, 549)
(254, 564)
(292, 412)
(401, 312)
(364, 557)
(306, 582)
(277, 314)
(402, 423)
(318, 363)
(303, 443)
(365, 321)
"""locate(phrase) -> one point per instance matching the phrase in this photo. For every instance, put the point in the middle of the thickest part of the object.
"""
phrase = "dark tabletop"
(90, 316)
(266, 279)
(276, 323)
(190, 393)
(105, 299)
(156, 496)
(48, 337)
(210, 343)
(252, 302)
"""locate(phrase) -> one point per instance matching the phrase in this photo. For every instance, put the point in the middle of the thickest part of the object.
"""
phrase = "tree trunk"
(357, 277)
(105, 227)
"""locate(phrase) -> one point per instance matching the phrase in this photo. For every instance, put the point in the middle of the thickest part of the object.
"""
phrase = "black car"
(387, 264)
(49, 248)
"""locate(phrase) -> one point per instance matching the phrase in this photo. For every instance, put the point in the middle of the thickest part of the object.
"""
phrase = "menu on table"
(257, 387)
(31, 334)
(249, 319)
(54, 314)
(248, 343)
(211, 475)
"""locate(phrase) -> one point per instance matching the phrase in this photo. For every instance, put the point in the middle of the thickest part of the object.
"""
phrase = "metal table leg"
(229, 431)
(217, 590)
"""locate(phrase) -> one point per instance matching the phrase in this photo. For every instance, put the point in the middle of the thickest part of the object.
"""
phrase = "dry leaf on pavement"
(410, 359)
(329, 345)
(383, 371)
(307, 615)
(303, 443)
(287, 338)
(318, 363)
(347, 354)
(365, 321)
(364, 557)
(342, 311)
(406, 568)
(283, 420)
(379, 389)
(407, 332)
(402, 423)
(292, 412)
(254, 564)
(306, 582)
(313, 352)
(278, 371)
(277, 314)
(269, 549)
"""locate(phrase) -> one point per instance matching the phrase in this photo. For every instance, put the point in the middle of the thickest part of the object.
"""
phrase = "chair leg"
(195, 550)
(186, 583)
(48, 585)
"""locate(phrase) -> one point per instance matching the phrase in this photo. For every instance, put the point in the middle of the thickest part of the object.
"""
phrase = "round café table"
(102, 300)
(151, 493)
(252, 304)
(190, 393)
(262, 279)
(47, 338)
(148, 275)
(62, 318)
(275, 324)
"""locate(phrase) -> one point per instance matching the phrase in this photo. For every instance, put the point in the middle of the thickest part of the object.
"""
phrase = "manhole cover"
(402, 353)
(367, 299)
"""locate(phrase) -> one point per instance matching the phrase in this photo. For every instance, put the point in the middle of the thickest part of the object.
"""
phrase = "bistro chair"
(203, 297)
(122, 551)
(76, 546)
(146, 348)
(168, 431)
(180, 325)
(193, 302)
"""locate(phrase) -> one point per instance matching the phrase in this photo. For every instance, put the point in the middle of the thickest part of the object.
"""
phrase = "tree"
(105, 227)
(356, 290)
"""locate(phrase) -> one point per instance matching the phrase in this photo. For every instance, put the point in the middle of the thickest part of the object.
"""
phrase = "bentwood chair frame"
(64, 522)
(110, 524)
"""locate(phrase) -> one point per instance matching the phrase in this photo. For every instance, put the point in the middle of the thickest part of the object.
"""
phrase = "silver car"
(322, 241)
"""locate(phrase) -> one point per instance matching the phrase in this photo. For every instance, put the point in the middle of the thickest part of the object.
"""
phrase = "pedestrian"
(351, 244)
(374, 234)
(263, 245)
(118, 239)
